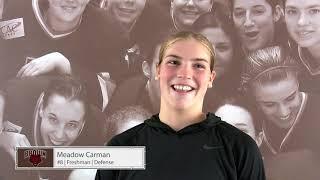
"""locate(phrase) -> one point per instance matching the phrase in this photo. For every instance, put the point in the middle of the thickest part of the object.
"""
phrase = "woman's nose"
(184, 72)
(302, 19)
(248, 20)
(59, 133)
(190, 3)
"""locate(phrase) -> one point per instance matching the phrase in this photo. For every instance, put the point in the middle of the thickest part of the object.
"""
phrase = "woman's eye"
(239, 13)
(173, 62)
(72, 125)
(258, 11)
(291, 12)
(269, 105)
(314, 11)
(200, 66)
(290, 98)
(53, 120)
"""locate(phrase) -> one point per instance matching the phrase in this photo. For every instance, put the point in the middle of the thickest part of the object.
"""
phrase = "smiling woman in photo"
(303, 24)
(185, 12)
(290, 116)
(257, 22)
(45, 111)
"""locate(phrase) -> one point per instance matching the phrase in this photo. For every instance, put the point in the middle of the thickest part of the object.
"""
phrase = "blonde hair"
(187, 35)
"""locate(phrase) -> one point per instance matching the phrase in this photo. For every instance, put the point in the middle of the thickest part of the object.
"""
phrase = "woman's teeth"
(285, 118)
(182, 87)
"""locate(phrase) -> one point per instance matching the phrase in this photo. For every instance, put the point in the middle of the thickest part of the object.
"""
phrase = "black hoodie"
(211, 149)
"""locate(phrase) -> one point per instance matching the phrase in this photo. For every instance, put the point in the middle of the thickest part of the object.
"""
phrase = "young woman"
(56, 98)
(289, 116)
(182, 141)
(185, 12)
(258, 23)
(302, 19)
(49, 29)
(58, 117)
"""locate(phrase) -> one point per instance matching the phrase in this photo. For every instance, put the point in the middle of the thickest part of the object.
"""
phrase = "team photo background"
(78, 72)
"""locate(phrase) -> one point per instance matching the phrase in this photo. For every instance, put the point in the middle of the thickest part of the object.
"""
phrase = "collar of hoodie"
(209, 121)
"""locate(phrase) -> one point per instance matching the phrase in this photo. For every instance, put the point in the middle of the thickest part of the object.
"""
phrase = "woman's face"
(280, 101)
(67, 11)
(239, 117)
(125, 11)
(61, 121)
(186, 12)
(255, 23)
(184, 75)
(223, 49)
(303, 21)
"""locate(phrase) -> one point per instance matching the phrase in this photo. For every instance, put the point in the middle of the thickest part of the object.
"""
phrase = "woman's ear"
(278, 13)
(212, 77)
(157, 75)
(146, 69)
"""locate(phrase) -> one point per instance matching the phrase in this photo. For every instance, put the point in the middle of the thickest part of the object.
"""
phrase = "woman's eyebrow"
(258, 6)
(290, 7)
(193, 59)
(291, 95)
(308, 7)
(200, 59)
(314, 6)
(74, 121)
(52, 114)
(174, 56)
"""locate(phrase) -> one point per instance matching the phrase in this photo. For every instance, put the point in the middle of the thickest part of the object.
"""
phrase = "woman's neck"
(179, 119)
(60, 26)
(315, 52)
(180, 27)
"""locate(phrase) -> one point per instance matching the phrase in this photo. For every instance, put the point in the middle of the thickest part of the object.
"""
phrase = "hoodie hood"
(210, 121)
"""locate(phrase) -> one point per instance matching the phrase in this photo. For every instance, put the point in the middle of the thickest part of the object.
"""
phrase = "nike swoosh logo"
(206, 147)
